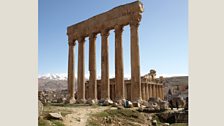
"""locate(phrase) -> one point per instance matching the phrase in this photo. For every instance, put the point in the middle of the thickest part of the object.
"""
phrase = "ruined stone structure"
(117, 18)
(145, 82)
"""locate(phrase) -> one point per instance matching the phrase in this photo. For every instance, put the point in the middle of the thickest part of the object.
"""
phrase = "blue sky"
(163, 35)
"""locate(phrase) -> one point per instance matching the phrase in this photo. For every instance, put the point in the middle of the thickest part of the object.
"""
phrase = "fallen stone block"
(55, 116)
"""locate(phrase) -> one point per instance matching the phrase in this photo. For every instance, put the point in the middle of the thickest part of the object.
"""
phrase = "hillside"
(51, 84)
(179, 80)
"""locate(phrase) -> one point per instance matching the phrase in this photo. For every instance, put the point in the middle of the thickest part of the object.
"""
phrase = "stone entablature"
(121, 15)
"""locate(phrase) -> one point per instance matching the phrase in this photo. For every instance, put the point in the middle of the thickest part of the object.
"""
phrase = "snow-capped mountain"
(52, 82)
(62, 76)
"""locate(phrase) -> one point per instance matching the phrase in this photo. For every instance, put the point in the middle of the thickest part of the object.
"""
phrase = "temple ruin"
(135, 89)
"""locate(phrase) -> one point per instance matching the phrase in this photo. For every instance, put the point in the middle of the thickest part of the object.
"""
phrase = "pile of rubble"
(53, 96)
(154, 105)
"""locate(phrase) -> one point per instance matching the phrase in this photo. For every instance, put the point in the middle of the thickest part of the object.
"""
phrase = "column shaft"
(119, 67)
(143, 91)
(92, 67)
(135, 63)
(162, 92)
(71, 70)
(105, 84)
(154, 90)
(160, 96)
(81, 71)
(150, 90)
(157, 91)
(147, 91)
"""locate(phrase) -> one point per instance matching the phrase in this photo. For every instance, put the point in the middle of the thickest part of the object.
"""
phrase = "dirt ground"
(79, 115)
(82, 115)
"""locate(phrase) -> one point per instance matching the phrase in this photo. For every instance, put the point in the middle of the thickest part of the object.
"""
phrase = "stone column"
(154, 90)
(105, 82)
(143, 91)
(147, 91)
(135, 62)
(162, 92)
(150, 90)
(119, 67)
(81, 71)
(159, 91)
(71, 72)
(92, 67)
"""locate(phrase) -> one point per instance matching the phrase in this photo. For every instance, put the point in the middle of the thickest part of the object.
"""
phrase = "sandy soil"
(80, 115)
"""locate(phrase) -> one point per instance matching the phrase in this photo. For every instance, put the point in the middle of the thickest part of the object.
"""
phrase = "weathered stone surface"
(147, 110)
(81, 69)
(145, 103)
(92, 67)
(136, 104)
(164, 105)
(166, 124)
(156, 104)
(105, 85)
(177, 102)
(173, 117)
(55, 116)
(119, 70)
(90, 102)
(154, 122)
(72, 101)
(71, 70)
(114, 104)
(81, 101)
(107, 102)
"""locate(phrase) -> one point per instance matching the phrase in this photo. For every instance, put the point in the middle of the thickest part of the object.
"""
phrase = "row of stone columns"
(119, 72)
(152, 90)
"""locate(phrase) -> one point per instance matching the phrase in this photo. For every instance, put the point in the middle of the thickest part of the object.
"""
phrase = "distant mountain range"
(59, 81)
(53, 76)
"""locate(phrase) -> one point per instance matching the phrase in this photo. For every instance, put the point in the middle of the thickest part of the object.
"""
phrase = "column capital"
(135, 19)
(71, 43)
(118, 28)
(105, 32)
(81, 39)
(134, 23)
(92, 36)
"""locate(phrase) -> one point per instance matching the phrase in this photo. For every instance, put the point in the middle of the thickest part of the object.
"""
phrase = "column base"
(81, 101)
(72, 101)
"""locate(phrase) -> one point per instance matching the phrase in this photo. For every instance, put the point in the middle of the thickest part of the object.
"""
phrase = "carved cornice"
(123, 15)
